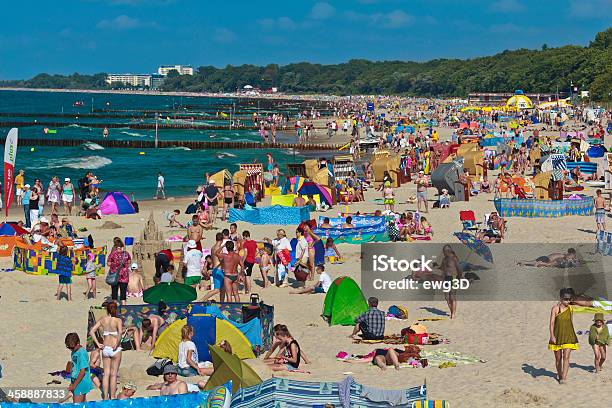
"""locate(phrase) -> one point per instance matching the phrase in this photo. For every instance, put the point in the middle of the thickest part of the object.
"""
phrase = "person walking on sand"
(422, 183)
(118, 262)
(600, 212)
(112, 329)
(68, 194)
(80, 376)
(19, 184)
(388, 196)
(161, 186)
(64, 272)
(599, 339)
(562, 334)
(54, 193)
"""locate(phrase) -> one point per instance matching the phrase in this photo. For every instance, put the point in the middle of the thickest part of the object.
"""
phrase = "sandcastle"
(151, 241)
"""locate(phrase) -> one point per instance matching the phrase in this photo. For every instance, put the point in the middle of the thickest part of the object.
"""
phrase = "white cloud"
(124, 22)
(283, 23)
(397, 18)
(224, 35)
(590, 8)
(392, 19)
(322, 11)
(507, 6)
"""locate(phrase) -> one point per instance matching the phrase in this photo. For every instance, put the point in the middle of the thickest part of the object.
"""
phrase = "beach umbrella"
(475, 245)
(170, 292)
(230, 367)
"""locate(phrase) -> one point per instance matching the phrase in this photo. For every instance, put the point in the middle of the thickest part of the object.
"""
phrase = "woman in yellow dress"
(562, 334)
(426, 157)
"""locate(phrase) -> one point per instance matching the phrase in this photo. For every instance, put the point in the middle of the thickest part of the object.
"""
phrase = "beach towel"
(319, 248)
(435, 358)
(392, 397)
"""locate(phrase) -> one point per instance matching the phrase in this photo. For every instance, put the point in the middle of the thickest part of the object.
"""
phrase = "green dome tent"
(344, 302)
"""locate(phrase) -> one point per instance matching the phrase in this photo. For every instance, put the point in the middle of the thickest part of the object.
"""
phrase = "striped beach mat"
(585, 167)
(286, 393)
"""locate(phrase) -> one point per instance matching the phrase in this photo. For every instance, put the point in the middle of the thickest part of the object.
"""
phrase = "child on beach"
(173, 222)
(64, 272)
(290, 354)
(331, 252)
(91, 270)
(444, 199)
(599, 339)
(265, 263)
(80, 378)
(320, 287)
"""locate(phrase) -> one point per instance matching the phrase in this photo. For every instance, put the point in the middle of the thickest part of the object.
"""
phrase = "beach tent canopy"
(169, 292)
(8, 235)
(230, 367)
(310, 188)
(116, 203)
(208, 330)
(344, 302)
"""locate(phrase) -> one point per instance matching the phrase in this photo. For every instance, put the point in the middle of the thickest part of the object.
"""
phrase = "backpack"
(157, 368)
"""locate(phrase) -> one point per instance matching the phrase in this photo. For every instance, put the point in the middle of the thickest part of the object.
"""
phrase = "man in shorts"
(193, 262)
(250, 251)
(217, 271)
(232, 265)
(211, 194)
(422, 183)
(19, 183)
(600, 212)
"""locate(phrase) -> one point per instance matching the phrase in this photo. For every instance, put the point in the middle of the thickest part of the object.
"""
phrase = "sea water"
(132, 171)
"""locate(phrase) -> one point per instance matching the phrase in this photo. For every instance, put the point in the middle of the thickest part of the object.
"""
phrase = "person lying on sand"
(384, 357)
(558, 260)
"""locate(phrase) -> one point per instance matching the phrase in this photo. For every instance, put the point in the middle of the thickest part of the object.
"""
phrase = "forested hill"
(542, 70)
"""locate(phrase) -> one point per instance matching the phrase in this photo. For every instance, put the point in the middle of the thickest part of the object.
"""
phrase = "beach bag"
(157, 368)
(399, 312)
(413, 338)
(301, 272)
(112, 277)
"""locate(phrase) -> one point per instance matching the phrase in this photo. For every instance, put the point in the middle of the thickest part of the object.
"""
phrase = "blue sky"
(89, 36)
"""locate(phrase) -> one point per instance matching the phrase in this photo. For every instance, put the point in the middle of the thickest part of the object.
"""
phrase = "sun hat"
(129, 385)
(27, 186)
(134, 266)
(170, 369)
(418, 328)
(44, 219)
(211, 181)
(191, 244)
(67, 179)
(599, 316)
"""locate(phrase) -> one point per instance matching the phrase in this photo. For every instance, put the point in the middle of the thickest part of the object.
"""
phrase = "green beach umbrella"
(170, 292)
(230, 367)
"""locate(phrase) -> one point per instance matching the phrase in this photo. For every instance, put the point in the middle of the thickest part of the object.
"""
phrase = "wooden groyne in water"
(160, 125)
(135, 115)
(191, 144)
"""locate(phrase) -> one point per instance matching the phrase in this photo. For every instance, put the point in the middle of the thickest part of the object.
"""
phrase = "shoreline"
(305, 98)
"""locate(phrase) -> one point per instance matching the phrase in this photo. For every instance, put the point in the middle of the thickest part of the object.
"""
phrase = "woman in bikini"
(111, 348)
(562, 334)
(312, 239)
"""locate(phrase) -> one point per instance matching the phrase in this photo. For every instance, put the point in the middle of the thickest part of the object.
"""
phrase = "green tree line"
(544, 70)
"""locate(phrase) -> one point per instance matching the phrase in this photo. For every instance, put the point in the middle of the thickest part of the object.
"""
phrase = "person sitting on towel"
(371, 323)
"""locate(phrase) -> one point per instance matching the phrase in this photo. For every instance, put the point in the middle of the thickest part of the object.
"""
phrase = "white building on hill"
(181, 69)
(138, 80)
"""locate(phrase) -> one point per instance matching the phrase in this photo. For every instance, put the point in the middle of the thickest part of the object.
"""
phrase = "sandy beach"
(511, 336)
